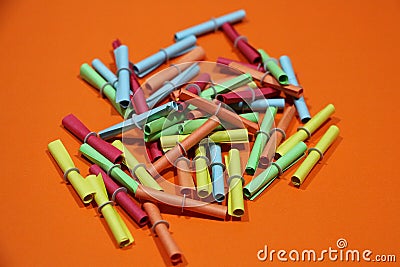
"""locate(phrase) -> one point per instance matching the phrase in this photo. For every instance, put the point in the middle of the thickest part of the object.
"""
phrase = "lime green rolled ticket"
(235, 182)
(139, 169)
(92, 77)
(261, 140)
(306, 130)
(274, 68)
(113, 170)
(226, 86)
(71, 173)
(117, 226)
(163, 123)
(264, 179)
(173, 129)
(228, 136)
(189, 126)
(314, 155)
(203, 179)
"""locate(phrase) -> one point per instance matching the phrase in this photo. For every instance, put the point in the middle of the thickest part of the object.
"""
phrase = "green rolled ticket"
(235, 182)
(262, 138)
(163, 123)
(92, 77)
(203, 179)
(138, 168)
(314, 155)
(264, 179)
(228, 136)
(306, 130)
(273, 67)
(225, 86)
(110, 168)
(173, 129)
(71, 174)
(117, 226)
(189, 126)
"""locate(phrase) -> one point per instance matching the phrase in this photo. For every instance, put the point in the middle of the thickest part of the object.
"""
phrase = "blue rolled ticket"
(123, 87)
(259, 104)
(211, 25)
(105, 72)
(139, 120)
(217, 172)
(144, 67)
(300, 103)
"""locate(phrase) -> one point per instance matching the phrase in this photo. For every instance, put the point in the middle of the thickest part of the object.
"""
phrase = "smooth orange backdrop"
(344, 52)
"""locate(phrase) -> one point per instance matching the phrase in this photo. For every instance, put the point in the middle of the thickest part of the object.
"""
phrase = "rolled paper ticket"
(217, 172)
(105, 72)
(114, 221)
(187, 127)
(155, 196)
(195, 87)
(175, 83)
(77, 128)
(71, 174)
(203, 179)
(266, 79)
(249, 95)
(160, 229)
(182, 147)
(153, 150)
(259, 183)
(271, 65)
(138, 120)
(314, 155)
(211, 25)
(138, 169)
(226, 86)
(92, 77)
(163, 122)
(262, 137)
(147, 65)
(120, 196)
(235, 182)
(111, 169)
(123, 87)
(300, 102)
(184, 174)
(171, 130)
(227, 61)
(259, 104)
(304, 132)
(240, 42)
(276, 136)
(221, 112)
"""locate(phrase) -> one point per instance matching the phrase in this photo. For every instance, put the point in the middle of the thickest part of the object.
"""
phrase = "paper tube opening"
(238, 212)
(147, 129)
(296, 181)
(87, 199)
(203, 193)
(250, 170)
(124, 103)
(246, 192)
(124, 243)
(283, 79)
(219, 197)
(144, 221)
(176, 257)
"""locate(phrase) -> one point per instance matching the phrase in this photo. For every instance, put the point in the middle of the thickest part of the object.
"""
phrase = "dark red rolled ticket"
(77, 128)
(154, 151)
(248, 95)
(240, 42)
(227, 61)
(121, 197)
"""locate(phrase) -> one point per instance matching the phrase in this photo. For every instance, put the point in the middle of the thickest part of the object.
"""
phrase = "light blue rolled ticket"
(105, 72)
(217, 172)
(211, 25)
(170, 86)
(259, 104)
(300, 103)
(123, 87)
(139, 120)
(144, 67)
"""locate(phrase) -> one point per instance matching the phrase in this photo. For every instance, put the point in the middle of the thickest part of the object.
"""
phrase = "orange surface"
(344, 52)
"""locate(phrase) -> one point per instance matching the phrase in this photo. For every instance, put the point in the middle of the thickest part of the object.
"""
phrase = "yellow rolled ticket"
(139, 170)
(306, 130)
(71, 173)
(235, 182)
(314, 155)
(203, 179)
(117, 226)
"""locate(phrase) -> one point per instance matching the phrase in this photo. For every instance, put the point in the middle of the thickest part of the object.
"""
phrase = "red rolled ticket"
(227, 61)
(119, 195)
(153, 150)
(77, 128)
(240, 42)
(248, 95)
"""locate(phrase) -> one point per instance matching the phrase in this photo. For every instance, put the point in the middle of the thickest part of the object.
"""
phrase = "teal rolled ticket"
(271, 65)
(105, 72)
(217, 172)
(265, 178)
(171, 130)
(124, 73)
(163, 123)
(110, 168)
(226, 86)
(144, 67)
(235, 182)
(262, 137)
(211, 25)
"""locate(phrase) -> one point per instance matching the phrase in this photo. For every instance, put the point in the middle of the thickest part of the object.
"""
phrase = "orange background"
(344, 52)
